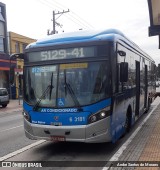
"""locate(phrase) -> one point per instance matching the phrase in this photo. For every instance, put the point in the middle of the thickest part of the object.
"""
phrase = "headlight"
(26, 116)
(103, 114)
(99, 115)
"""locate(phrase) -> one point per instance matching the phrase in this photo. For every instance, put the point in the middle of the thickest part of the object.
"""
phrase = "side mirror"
(123, 72)
(121, 53)
(11, 76)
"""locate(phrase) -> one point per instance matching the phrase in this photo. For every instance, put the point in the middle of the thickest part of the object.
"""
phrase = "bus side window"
(119, 84)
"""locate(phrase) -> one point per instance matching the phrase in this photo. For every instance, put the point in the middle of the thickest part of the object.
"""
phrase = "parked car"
(4, 97)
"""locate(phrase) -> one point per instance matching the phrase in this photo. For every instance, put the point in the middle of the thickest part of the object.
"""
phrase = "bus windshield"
(71, 85)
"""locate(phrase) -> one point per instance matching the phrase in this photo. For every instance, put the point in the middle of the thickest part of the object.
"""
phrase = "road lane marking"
(10, 128)
(21, 150)
(116, 156)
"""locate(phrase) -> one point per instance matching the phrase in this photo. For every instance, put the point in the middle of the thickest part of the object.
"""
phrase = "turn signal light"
(26, 116)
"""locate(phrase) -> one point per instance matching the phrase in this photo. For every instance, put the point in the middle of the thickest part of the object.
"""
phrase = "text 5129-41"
(63, 53)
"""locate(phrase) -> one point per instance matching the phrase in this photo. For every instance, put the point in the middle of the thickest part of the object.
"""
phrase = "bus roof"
(86, 36)
(73, 37)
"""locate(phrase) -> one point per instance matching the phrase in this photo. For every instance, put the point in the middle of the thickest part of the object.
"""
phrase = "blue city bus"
(86, 86)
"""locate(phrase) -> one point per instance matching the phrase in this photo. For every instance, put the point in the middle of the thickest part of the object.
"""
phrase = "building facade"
(17, 44)
(4, 55)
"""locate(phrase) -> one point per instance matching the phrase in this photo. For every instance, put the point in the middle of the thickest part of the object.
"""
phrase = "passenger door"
(137, 87)
(146, 86)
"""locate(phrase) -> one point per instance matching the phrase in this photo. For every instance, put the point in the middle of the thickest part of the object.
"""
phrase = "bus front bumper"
(93, 133)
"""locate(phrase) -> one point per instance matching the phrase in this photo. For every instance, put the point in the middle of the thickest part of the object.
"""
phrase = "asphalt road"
(12, 138)
(12, 135)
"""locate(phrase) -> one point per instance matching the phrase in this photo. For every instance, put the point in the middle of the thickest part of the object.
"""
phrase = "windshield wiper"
(49, 87)
(71, 92)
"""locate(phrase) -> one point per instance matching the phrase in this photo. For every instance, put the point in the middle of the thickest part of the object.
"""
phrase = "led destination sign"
(79, 52)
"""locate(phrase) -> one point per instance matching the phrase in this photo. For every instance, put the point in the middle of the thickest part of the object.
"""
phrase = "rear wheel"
(4, 105)
(149, 103)
(128, 120)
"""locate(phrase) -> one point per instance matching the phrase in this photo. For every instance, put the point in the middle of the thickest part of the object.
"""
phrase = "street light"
(154, 13)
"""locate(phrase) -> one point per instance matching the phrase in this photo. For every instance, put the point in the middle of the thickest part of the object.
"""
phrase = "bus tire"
(128, 120)
(149, 104)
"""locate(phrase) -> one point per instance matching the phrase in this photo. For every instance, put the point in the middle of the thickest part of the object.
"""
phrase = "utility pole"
(54, 23)
(54, 20)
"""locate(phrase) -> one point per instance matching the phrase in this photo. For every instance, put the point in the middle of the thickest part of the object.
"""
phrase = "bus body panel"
(92, 133)
(120, 106)
(69, 125)
(51, 116)
(125, 98)
(131, 95)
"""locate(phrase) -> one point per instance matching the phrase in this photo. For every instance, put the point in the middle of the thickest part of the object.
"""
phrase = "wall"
(4, 57)
(17, 44)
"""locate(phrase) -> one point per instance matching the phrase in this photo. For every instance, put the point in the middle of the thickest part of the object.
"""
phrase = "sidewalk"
(14, 105)
(144, 148)
(151, 151)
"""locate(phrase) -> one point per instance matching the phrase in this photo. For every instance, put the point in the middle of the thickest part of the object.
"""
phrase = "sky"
(32, 18)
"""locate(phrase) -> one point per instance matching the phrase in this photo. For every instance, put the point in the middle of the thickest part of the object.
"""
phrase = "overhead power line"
(75, 15)
(71, 16)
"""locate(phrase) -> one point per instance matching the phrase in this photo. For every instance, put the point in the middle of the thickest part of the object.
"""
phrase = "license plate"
(56, 123)
(58, 138)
